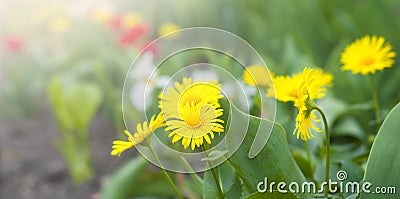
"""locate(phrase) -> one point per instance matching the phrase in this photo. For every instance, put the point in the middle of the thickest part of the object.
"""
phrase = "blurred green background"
(88, 46)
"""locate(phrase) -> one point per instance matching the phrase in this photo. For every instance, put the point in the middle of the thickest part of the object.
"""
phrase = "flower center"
(190, 114)
(193, 121)
(367, 61)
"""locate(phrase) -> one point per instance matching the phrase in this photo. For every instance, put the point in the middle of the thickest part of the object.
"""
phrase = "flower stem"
(214, 175)
(375, 98)
(177, 193)
(195, 177)
(328, 142)
(307, 147)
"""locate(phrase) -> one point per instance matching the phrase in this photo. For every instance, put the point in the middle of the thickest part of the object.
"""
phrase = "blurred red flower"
(129, 36)
(115, 22)
(150, 47)
(13, 44)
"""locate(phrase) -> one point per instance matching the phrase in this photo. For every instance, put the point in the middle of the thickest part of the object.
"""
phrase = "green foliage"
(274, 161)
(230, 184)
(121, 182)
(269, 195)
(75, 105)
(384, 160)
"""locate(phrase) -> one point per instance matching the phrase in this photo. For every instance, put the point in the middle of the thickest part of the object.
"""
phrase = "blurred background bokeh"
(63, 64)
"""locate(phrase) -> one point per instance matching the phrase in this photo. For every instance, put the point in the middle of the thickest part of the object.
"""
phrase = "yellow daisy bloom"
(142, 132)
(168, 28)
(367, 55)
(309, 90)
(191, 110)
(196, 123)
(256, 75)
(286, 88)
(188, 92)
(302, 88)
(305, 117)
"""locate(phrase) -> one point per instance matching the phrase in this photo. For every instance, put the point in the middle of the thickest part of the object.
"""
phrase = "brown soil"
(31, 167)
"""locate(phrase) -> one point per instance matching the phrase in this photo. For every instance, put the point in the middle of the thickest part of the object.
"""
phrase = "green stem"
(375, 98)
(195, 177)
(214, 175)
(328, 142)
(307, 147)
(178, 194)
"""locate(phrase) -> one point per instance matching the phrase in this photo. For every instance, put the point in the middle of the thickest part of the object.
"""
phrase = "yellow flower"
(59, 24)
(302, 88)
(305, 117)
(367, 55)
(256, 75)
(309, 90)
(196, 122)
(192, 111)
(286, 88)
(130, 20)
(101, 15)
(168, 28)
(304, 122)
(188, 92)
(142, 132)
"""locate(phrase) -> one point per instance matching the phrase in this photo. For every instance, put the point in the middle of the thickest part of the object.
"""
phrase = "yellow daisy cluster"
(191, 110)
(301, 89)
(367, 55)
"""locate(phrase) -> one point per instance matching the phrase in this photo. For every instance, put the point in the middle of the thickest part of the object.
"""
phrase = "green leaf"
(57, 100)
(74, 104)
(133, 180)
(83, 100)
(231, 186)
(304, 163)
(124, 179)
(384, 160)
(274, 161)
(269, 195)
